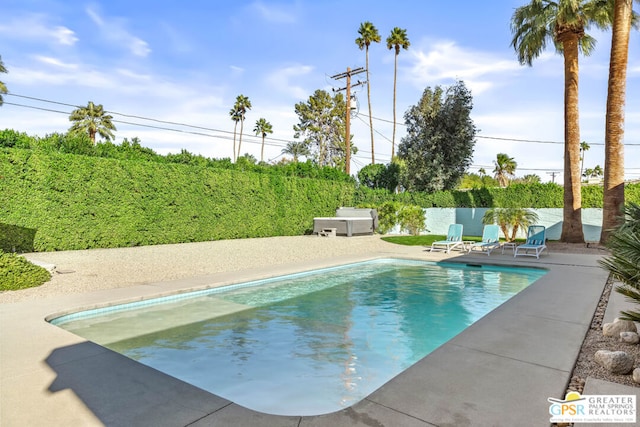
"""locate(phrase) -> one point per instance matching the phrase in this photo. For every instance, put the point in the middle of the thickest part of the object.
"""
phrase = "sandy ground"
(97, 269)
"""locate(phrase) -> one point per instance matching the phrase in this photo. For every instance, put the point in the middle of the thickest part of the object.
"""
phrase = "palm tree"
(235, 116)
(396, 40)
(584, 146)
(613, 192)
(510, 220)
(297, 149)
(624, 262)
(505, 168)
(564, 23)
(3, 88)
(241, 106)
(368, 34)
(93, 120)
(262, 128)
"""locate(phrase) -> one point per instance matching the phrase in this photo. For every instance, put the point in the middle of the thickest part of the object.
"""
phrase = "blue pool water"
(309, 343)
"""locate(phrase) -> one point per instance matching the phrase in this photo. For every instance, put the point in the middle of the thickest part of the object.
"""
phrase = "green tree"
(396, 40)
(613, 194)
(322, 125)
(584, 147)
(3, 87)
(92, 120)
(297, 149)
(505, 169)
(510, 220)
(380, 176)
(262, 128)
(472, 180)
(624, 262)
(531, 179)
(235, 116)
(563, 22)
(368, 34)
(438, 147)
(241, 106)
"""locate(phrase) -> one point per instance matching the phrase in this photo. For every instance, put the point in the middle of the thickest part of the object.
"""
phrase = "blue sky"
(187, 62)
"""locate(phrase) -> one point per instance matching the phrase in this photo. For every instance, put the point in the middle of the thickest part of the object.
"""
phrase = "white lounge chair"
(536, 239)
(490, 239)
(454, 238)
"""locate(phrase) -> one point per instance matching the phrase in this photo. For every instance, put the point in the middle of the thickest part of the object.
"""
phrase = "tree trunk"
(240, 138)
(572, 211)
(395, 77)
(614, 130)
(373, 157)
(235, 130)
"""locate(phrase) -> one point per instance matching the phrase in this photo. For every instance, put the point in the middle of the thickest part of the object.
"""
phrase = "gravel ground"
(97, 269)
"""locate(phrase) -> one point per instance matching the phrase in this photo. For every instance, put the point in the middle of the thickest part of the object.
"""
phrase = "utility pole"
(553, 176)
(348, 75)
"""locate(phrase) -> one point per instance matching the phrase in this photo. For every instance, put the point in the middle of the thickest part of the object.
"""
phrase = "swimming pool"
(309, 343)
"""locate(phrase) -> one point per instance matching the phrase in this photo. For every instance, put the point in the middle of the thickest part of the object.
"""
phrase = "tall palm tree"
(3, 88)
(396, 40)
(584, 146)
(262, 128)
(235, 116)
(297, 149)
(613, 192)
(93, 120)
(563, 22)
(241, 106)
(368, 34)
(505, 169)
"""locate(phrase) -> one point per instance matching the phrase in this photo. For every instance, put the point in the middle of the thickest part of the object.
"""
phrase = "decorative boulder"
(613, 329)
(629, 337)
(616, 362)
(636, 375)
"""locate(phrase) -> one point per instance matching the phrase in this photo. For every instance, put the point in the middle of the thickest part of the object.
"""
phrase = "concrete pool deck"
(500, 371)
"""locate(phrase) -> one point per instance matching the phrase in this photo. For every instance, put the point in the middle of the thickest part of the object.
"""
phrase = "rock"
(613, 329)
(629, 337)
(636, 375)
(616, 362)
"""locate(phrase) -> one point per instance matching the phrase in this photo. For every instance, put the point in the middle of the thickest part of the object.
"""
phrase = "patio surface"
(498, 372)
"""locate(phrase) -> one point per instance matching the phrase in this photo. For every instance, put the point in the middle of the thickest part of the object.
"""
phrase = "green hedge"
(547, 195)
(57, 201)
(18, 273)
(79, 202)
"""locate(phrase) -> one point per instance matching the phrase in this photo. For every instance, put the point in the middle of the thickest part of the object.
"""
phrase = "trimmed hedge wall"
(56, 201)
(547, 195)
(79, 202)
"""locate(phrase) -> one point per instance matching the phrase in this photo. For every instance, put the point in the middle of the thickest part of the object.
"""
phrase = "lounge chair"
(454, 238)
(536, 238)
(490, 239)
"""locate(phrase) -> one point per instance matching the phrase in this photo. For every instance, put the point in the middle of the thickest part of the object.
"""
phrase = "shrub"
(412, 219)
(624, 262)
(18, 273)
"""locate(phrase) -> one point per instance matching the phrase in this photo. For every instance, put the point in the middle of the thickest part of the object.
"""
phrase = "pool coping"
(523, 351)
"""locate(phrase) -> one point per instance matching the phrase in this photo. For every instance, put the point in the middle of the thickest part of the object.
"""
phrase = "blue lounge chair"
(536, 238)
(490, 239)
(454, 238)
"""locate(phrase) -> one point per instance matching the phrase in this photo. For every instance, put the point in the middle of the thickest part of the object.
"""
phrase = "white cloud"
(280, 14)
(445, 61)
(281, 80)
(35, 27)
(115, 31)
(55, 62)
